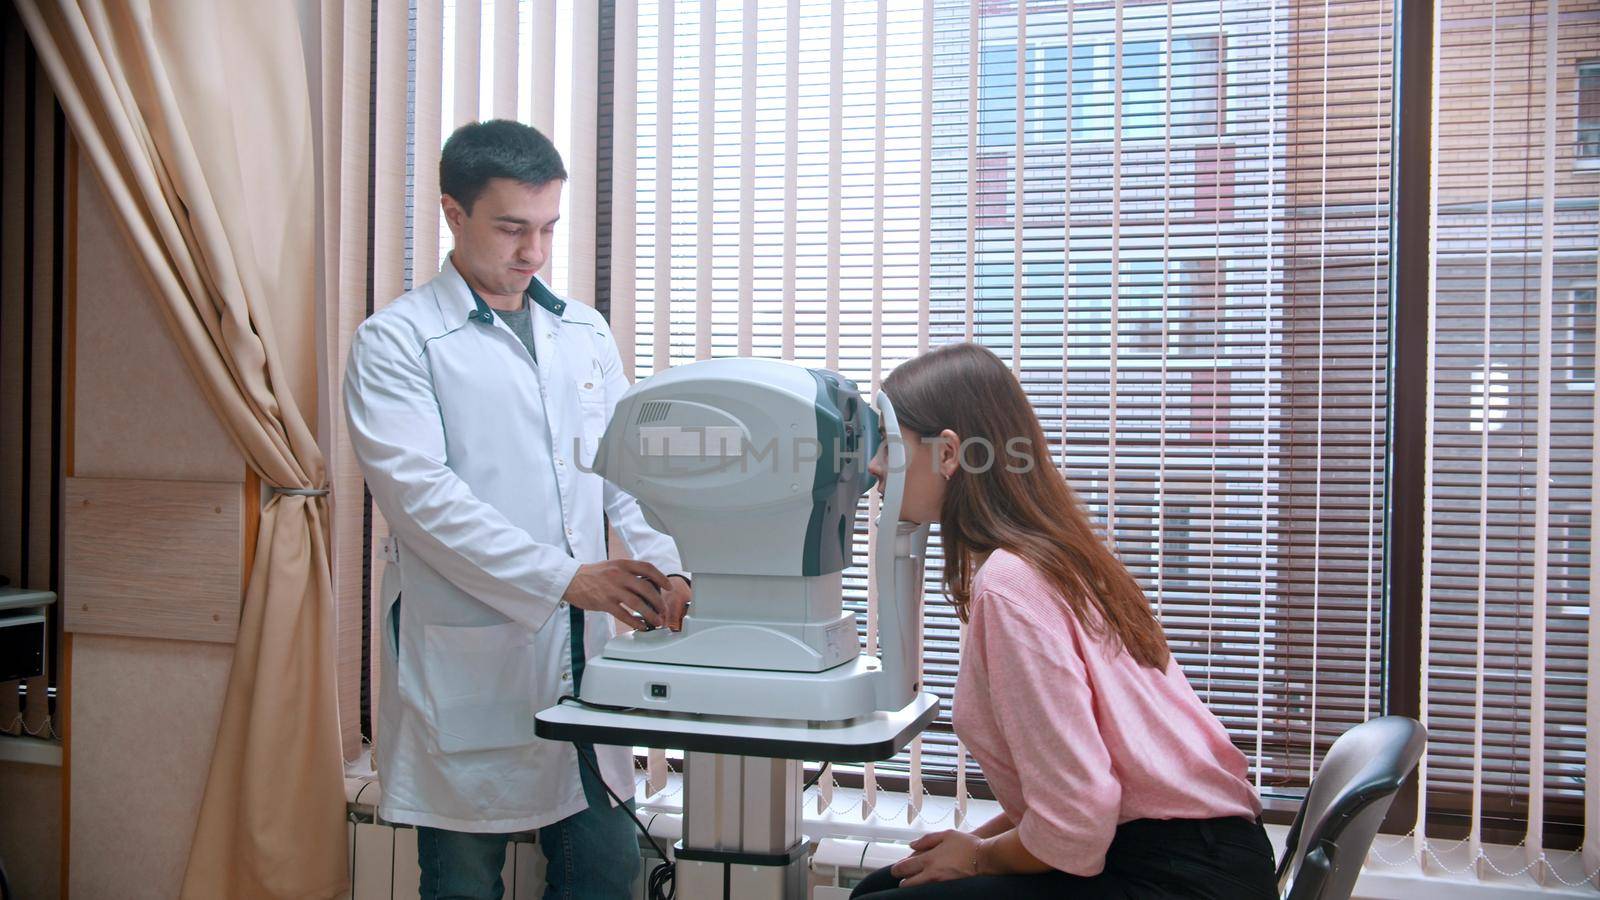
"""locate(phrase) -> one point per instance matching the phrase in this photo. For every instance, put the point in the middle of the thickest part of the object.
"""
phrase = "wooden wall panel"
(156, 559)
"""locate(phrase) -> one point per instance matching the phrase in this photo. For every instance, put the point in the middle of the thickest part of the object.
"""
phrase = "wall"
(143, 710)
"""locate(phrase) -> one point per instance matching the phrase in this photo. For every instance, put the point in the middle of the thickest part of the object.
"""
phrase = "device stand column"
(741, 829)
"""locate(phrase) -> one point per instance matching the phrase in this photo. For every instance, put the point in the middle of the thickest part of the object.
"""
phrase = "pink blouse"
(1076, 738)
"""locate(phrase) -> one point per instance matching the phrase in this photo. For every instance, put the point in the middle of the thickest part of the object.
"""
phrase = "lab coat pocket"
(478, 685)
(592, 403)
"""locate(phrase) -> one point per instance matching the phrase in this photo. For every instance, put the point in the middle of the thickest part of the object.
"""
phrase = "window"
(1165, 305)
(1045, 79)
(1582, 329)
(1194, 295)
(1589, 111)
(1192, 67)
(1513, 430)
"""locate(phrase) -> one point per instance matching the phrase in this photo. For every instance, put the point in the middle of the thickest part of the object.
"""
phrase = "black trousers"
(1218, 859)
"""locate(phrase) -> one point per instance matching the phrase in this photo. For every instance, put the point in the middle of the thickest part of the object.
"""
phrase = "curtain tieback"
(299, 492)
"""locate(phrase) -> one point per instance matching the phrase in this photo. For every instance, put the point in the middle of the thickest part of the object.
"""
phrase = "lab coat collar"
(461, 301)
(538, 293)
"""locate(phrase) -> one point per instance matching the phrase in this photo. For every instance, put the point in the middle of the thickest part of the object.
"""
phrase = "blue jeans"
(593, 854)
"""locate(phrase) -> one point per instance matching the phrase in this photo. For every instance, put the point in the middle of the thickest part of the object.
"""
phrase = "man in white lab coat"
(475, 403)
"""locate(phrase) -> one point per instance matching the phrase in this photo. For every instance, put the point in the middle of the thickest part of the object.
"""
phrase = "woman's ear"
(949, 449)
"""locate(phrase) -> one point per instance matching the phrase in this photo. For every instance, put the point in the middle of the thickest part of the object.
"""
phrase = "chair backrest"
(1348, 799)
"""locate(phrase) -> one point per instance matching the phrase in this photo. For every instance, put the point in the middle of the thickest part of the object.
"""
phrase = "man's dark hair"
(498, 148)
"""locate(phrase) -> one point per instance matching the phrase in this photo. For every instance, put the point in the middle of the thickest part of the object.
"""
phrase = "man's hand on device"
(631, 591)
(677, 598)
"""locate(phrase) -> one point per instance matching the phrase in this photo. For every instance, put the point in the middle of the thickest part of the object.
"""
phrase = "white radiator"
(839, 864)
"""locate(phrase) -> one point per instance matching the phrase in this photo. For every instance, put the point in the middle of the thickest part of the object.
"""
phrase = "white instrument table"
(866, 739)
(742, 784)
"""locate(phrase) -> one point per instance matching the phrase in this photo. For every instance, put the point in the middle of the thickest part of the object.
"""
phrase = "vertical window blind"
(1510, 637)
(436, 65)
(1172, 221)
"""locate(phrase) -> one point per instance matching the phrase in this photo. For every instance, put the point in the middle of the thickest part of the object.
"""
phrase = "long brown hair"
(1029, 510)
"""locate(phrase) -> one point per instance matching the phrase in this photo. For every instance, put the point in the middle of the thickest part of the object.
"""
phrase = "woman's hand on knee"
(941, 856)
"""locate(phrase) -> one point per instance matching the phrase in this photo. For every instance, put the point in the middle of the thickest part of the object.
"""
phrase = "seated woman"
(1114, 779)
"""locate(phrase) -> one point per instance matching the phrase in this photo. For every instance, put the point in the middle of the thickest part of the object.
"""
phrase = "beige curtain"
(196, 117)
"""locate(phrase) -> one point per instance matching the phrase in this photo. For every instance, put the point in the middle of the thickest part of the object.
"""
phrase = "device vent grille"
(654, 411)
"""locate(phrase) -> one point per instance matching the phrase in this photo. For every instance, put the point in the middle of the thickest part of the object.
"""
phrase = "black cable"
(816, 778)
(659, 885)
(601, 707)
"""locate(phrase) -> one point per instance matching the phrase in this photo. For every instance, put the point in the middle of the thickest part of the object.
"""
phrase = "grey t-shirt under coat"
(520, 322)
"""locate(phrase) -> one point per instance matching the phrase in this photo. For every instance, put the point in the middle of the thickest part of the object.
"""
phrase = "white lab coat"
(472, 452)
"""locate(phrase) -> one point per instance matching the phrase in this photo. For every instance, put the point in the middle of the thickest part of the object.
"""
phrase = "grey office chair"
(1348, 799)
